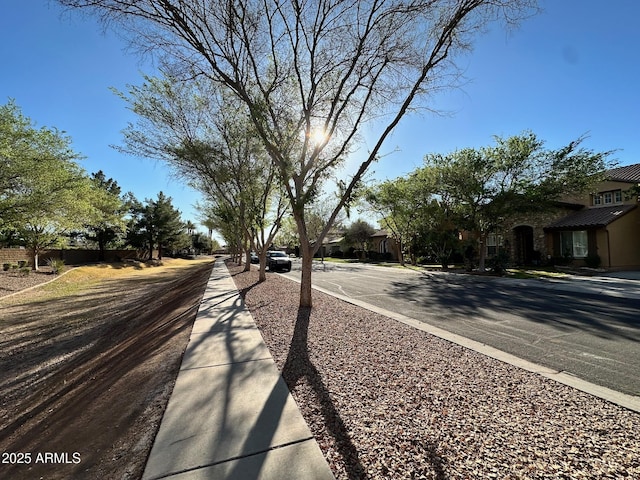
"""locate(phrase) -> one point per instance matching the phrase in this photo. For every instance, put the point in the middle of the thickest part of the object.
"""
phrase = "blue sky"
(572, 70)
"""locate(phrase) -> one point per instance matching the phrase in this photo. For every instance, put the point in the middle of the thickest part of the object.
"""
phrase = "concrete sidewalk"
(230, 415)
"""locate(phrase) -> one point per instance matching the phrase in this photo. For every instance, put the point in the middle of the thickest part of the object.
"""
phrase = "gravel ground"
(385, 401)
(14, 281)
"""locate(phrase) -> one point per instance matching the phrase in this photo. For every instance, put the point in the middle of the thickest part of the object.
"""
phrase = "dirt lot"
(86, 371)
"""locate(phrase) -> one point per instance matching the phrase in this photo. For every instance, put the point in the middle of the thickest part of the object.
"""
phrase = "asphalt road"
(594, 337)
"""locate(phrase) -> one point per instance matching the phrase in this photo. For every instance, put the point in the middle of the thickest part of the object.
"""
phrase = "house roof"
(630, 173)
(380, 233)
(591, 218)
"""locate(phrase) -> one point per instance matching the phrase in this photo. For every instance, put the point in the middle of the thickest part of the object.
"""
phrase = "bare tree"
(314, 73)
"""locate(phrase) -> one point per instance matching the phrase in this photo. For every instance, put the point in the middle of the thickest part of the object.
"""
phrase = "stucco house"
(605, 223)
(385, 245)
(380, 242)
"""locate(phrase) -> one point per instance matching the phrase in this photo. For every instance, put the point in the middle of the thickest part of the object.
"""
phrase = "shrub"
(6, 266)
(499, 263)
(24, 271)
(57, 265)
(593, 261)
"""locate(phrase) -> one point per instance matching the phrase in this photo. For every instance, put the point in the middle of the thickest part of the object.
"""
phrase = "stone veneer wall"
(537, 221)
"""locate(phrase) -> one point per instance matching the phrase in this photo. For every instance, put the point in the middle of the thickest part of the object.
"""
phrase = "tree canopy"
(44, 193)
(313, 75)
(157, 224)
(210, 142)
(478, 189)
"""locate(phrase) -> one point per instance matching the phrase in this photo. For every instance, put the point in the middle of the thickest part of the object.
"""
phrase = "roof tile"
(591, 217)
(630, 173)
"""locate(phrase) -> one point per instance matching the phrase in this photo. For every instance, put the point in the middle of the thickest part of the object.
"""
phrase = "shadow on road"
(566, 311)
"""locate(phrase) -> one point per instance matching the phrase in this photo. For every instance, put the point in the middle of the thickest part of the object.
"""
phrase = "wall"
(624, 235)
(541, 240)
(70, 256)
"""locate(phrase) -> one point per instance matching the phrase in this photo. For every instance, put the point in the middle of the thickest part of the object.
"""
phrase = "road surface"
(594, 337)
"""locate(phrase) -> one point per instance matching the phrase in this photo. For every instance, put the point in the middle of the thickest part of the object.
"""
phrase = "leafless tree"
(313, 73)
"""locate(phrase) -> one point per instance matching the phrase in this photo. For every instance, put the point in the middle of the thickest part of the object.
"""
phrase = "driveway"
(574, 329)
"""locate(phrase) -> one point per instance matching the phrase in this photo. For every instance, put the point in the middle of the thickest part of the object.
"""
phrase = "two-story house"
(606, 224)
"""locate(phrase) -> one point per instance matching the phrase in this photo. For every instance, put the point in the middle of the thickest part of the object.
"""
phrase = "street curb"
(630, 402)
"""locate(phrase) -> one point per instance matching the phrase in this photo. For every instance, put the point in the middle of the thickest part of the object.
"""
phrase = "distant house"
(331, 244)
(605, 223)
(385, 245)
(380, 243)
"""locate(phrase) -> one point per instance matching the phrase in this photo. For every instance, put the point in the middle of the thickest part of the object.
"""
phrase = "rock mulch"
(386, 401)
(12, 281)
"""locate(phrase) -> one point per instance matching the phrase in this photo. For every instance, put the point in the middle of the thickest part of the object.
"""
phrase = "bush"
(24, 271)
(593, 261)
(57, 265)
(499, 263)
(6, 266)
(373, 255)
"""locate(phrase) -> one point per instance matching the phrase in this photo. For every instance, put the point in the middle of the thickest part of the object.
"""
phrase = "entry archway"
(523, 245)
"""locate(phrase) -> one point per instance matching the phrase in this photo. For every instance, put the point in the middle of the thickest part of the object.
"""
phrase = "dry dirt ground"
(85, 376)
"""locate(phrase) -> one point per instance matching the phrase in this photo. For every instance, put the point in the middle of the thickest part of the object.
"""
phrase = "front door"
(523, 239)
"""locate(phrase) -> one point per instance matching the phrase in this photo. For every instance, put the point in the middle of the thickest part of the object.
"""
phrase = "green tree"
(211, 143)
(313, 76)
(402, 204)
(484, 187)
(358, 234)
(44, 193)
(107, 221)
(156, 224)
(200, 243)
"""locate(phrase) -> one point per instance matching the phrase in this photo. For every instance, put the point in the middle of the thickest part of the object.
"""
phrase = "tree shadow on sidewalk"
(297, 368)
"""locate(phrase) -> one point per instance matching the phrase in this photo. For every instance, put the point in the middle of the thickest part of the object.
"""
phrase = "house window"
(607, 198)
(493, 242)
(617, 195)
(574, 244)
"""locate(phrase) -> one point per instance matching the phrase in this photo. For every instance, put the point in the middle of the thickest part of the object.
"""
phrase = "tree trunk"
(101, 247)
(247, 260)
(400, 254)
(305, 280)
(482, 241)
(150, 246)
(262, 274)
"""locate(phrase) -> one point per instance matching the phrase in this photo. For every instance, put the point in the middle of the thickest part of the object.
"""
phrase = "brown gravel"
(386, 401)
(14, 281)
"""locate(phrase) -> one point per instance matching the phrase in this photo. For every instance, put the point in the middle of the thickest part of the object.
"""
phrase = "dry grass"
(86, 277)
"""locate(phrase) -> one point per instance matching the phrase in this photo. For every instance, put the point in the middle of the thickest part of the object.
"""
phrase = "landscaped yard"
(87, 364)
(387, 401)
